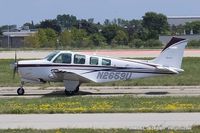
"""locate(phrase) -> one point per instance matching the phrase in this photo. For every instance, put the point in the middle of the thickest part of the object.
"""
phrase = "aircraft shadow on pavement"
(157, 93)
(82, 93)
(87, 93)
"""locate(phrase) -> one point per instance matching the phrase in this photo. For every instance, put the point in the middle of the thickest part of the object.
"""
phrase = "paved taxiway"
(34, 92)
(108, 120)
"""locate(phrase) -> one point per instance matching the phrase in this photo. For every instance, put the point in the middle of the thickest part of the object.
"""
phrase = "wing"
(63, 74)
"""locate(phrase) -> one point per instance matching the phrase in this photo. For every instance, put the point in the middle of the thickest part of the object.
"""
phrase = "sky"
(21, 11)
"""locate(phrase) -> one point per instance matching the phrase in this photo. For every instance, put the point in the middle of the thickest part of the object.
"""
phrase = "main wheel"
(69, 93)
(20, 91)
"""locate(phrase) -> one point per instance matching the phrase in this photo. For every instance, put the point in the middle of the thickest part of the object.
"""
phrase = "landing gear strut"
(20, 90)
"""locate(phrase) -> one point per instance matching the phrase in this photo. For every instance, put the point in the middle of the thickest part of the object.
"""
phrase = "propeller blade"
(15, 65)
(15, 56)
(14, 71)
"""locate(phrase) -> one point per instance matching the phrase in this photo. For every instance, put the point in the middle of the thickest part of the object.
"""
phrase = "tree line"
(69, 32)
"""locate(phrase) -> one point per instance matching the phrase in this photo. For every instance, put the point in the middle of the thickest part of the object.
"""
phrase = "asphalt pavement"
(103, 120)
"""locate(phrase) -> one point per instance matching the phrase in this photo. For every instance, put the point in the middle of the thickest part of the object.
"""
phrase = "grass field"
(191, 76)
(195, 129)
(118, 104)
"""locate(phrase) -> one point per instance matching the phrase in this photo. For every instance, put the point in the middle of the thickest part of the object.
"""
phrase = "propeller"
(15, 65)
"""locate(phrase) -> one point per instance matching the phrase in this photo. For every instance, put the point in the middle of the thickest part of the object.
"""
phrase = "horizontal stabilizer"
(169, 69)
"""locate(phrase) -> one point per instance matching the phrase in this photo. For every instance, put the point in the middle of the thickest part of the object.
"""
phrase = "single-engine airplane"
(73, 68)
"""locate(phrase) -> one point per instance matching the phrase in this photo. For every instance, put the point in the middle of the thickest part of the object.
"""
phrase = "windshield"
(50, 56)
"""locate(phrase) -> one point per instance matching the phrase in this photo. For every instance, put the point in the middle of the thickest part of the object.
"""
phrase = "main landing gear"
(71, 87)
(70, 92)
(20, 90)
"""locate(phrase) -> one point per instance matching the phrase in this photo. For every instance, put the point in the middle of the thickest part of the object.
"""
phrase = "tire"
(20, 91)
(69, 93)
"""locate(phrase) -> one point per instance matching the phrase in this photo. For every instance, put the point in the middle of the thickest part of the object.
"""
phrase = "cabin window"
(64, 58)
(79, 59)
(106, 62)
(94, 60)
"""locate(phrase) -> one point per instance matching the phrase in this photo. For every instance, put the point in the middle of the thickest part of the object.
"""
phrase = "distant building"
(14, 39)
(181, 20)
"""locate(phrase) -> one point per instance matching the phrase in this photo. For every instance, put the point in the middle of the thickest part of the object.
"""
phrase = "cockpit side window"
(106, 62)
(79, 59)
(50, 56)
(64, 58)
(94, 60)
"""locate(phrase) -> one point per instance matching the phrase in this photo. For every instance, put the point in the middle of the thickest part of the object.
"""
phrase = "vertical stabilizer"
(172, 54)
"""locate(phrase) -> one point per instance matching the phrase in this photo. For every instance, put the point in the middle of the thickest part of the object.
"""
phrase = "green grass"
(120, 104)
(191, 76)
(6, 77)
(195, 129)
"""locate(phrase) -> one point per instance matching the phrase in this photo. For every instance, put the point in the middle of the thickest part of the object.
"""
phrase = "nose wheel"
(20, 91)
